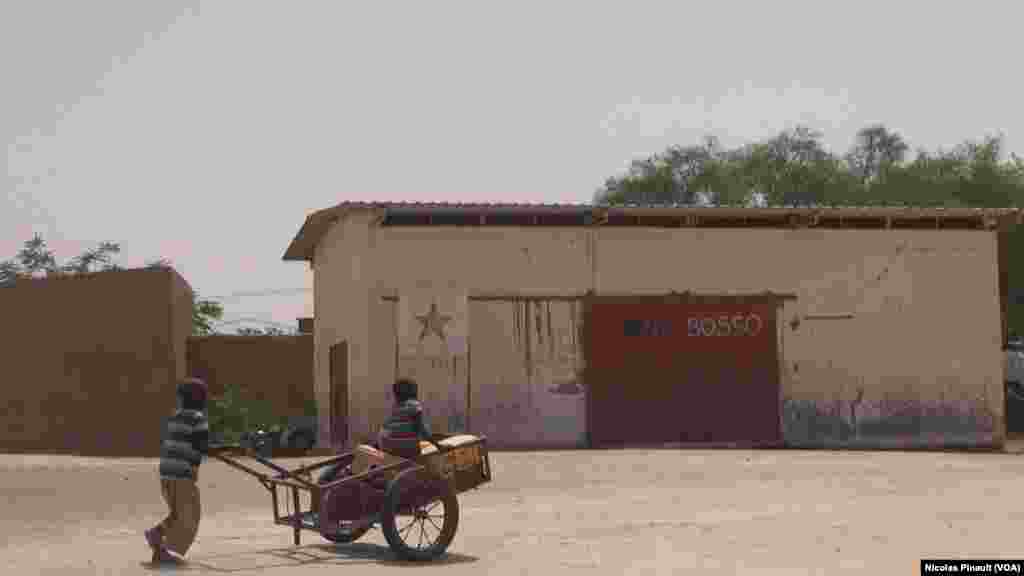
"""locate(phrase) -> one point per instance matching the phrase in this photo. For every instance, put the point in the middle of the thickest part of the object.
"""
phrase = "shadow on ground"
(1014, 443)
(296, 556)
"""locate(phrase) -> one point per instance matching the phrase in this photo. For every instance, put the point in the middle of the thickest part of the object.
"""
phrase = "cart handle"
(217, 451)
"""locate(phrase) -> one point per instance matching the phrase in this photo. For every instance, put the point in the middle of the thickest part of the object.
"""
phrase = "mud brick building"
(569, 326)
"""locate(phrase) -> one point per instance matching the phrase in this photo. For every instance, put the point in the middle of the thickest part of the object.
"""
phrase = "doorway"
(339, 394)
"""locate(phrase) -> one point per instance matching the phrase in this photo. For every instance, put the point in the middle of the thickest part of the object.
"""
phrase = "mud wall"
(882, 321)
(893, 339)
(894, 356)
(527, 364)
(90, 361)
(180, 322)
(276, 368)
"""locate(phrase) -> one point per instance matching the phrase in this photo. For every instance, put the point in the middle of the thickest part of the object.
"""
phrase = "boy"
(399, 436)
(186, 440)
(402, 431)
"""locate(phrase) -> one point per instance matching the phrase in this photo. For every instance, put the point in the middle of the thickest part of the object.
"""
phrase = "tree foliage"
(204, 314)
(234, 412)
(37, 260)
(794, 168)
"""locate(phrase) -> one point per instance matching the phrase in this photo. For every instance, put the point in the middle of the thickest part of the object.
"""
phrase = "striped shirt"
(405, 425)
(185, 441)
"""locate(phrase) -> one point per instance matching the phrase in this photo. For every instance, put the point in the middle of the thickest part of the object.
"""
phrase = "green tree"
(794, 168)
(36, 259)
(876, 151)
(204, 314)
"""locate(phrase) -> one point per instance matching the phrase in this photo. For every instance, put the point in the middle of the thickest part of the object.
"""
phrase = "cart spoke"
(407, 527)
(420, 545)
(434, 525)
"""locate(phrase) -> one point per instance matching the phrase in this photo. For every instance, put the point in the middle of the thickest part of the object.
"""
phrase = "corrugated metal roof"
(317, 224)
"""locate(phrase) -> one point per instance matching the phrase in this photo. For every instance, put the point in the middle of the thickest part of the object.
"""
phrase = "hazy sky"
(204, 133)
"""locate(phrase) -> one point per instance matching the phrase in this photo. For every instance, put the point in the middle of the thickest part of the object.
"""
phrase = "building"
(569, 326)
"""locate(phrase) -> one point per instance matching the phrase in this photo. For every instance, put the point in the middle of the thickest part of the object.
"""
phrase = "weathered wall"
(376, 399)
(344, 292)
(353, 271)
(278, 369)
(915, 365)
(431, 337)
(78, 350)
(180, 322)
(885, 350)
(527, 365)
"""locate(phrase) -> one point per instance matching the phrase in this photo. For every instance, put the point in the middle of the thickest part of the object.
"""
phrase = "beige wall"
(344, 293)
(438, 364)
(921, 351)
(526, 383)
(916, 362)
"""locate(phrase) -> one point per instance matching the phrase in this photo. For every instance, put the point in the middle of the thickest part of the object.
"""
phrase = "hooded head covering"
(192, 394)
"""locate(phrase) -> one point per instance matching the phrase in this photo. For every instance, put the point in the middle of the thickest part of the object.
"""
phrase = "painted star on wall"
(433, 322)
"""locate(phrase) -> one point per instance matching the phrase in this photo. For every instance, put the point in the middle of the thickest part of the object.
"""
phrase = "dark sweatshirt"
(186, 439)
(405, 425)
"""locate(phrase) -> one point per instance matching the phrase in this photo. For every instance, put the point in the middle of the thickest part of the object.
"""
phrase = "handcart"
(414, 500)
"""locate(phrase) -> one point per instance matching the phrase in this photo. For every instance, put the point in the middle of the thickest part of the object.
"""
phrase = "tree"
(876, 151)
(36, 259)
(204, 314)
(794, 168)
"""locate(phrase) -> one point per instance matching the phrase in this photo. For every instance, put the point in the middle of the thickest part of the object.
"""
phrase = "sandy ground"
(593, 512)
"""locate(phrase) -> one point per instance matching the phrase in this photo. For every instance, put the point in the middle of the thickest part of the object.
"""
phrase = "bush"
(232, 414)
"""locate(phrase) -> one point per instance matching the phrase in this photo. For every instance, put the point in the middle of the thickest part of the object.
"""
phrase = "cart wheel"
(332, 473)
(339, 531)
(345, 533)
(420, 515)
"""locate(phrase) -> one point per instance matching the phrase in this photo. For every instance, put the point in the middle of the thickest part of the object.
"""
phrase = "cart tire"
(345, 535)
(331, 473)
(407, 535)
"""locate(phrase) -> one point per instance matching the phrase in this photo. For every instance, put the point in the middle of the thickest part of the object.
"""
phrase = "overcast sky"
(204, 133)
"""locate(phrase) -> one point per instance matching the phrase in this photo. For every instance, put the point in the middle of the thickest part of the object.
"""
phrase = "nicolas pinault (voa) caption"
(972, 567)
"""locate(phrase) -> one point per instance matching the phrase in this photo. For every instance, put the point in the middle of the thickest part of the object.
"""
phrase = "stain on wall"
(897, 424)
(864, 365)
(527, 365)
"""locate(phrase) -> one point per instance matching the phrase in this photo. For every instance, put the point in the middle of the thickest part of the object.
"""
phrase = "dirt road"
(593, 512)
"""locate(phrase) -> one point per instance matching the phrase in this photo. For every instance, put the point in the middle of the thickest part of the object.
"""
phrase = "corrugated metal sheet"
(665, 371)
(427, 213)
(526, 386)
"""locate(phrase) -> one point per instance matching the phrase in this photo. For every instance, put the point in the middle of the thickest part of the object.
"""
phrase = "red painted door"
(660, 371)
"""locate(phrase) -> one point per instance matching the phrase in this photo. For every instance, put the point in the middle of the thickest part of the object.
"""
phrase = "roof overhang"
(318, 223)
